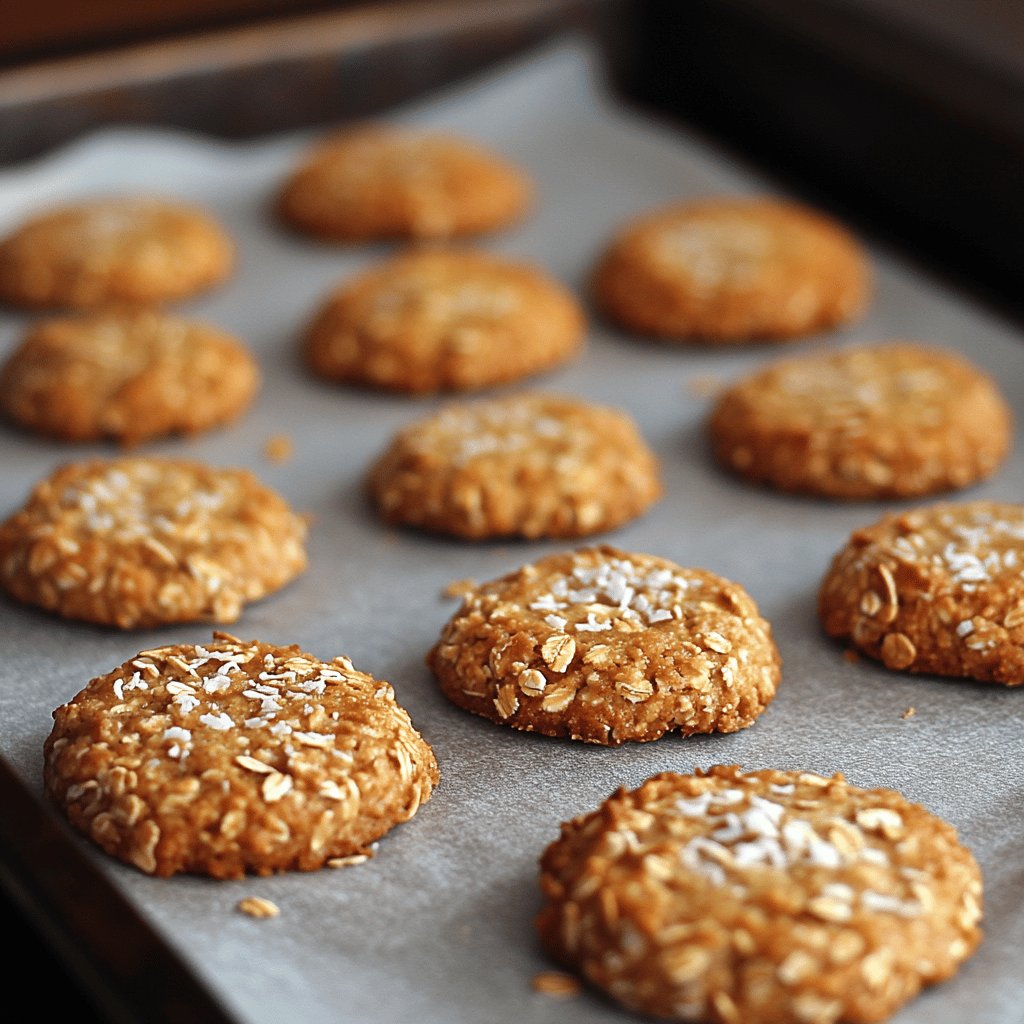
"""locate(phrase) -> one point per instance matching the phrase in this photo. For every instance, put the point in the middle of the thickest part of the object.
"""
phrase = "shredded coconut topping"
(750, 832)
(726, 249)
(972, 552)
(487, 428)
(615, 589)
(281, 685)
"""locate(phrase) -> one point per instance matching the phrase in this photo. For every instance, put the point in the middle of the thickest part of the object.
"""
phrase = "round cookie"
(137, 542)
(381, 182)
(530, 465)
(604, 646)
(235, 757)
(882, 421)
(439, 320)
(732, 270)
(769, 897)
(131, 374)
(113, 250)
(937, 589)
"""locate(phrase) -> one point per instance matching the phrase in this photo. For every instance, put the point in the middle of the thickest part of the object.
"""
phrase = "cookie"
(530, 465)
(106, 251)
(235, 757)
(732, 270)
(444, 320)
(137, 542)
(604, 646)
(380, 182)
(130, 375)
(882, 421)
(768, 897)
(938, 589)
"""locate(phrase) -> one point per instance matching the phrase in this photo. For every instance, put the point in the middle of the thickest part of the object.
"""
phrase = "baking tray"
(438, 926)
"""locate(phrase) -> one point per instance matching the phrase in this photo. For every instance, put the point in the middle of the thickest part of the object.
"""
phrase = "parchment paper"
(437, 928)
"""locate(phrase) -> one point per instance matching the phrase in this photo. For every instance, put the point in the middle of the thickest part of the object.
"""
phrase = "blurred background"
(906, 117)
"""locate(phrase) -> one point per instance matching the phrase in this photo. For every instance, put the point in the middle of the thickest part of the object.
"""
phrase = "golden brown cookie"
(105, 251)
(881, 421)
(531, 465)
(769, 897)
(732, 270)
(391, 182)
(604, 646)
(444, 320)
(938, 589)
(136, 542)
(130, 374)
(235, 757)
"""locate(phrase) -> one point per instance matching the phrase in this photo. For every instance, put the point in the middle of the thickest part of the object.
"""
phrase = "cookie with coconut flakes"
(605, 646)
(235, 757)
(443, 320)
(891, 420)
(116, 250)
(530, 465)
(938, 589)
(130, 375)
(768, 897)
(386, 182)
(136, 542)
(727, 271)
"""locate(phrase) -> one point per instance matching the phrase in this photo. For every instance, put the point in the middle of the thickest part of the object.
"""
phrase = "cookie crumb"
(279, 448)
(556, 984)
(459, 588)
(704, 385)
(910, 712)
(257, 906)
(850, 656)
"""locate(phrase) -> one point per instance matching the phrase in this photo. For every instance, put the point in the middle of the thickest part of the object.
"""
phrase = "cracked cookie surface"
(385, 182)
(130, 375)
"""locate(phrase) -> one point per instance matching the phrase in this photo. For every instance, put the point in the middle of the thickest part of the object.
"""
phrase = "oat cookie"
(389, 182)
(768, 897)
(103, 251)
(531, 465)
(938, 589)
(732, 270)
(235, 757)
(880, 421)
(444, 320)
(137, 542)
(130, 374)
(604, 646)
